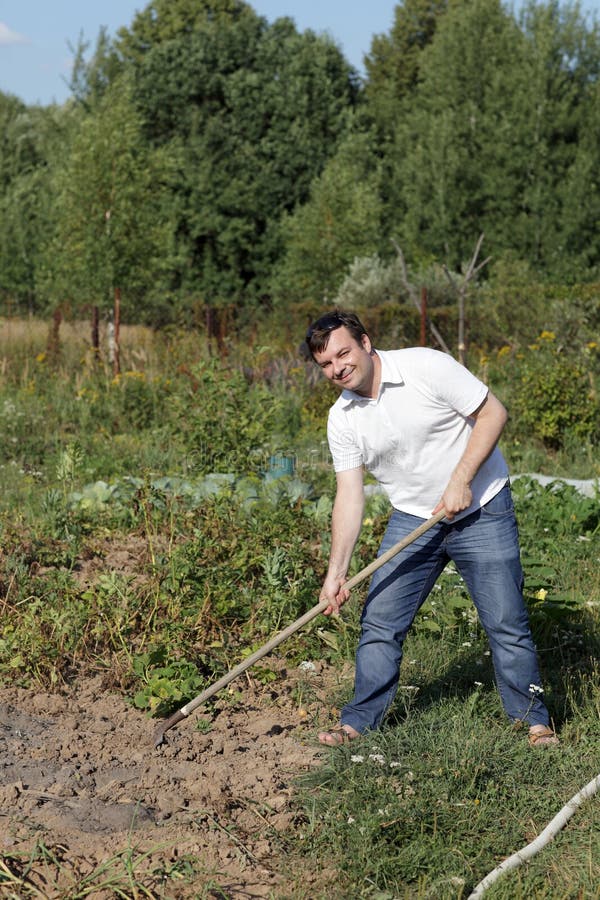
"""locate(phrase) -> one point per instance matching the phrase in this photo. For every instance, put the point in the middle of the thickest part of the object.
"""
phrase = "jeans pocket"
(501, 504)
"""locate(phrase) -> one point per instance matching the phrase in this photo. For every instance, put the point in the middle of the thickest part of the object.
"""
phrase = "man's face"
(346, 362)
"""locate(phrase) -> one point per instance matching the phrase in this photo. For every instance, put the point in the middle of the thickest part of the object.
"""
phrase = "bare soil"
(88, 806)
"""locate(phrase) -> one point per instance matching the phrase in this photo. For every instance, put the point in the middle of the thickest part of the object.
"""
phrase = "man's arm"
(490, 420)
(346, 522)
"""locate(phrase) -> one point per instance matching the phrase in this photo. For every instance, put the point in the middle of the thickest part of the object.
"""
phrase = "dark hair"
(317, 336)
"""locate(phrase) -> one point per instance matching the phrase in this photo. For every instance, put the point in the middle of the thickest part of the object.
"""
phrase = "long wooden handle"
(283, 635)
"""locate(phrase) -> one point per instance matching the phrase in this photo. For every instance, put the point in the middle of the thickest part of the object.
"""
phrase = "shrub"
(227, 424)
(553, 395)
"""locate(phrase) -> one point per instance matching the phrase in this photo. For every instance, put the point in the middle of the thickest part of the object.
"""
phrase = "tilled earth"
(89, 807)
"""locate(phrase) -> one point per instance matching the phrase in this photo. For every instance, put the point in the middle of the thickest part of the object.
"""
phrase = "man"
(427, 429)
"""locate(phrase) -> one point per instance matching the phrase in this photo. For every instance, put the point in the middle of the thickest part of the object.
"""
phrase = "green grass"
(447, 789)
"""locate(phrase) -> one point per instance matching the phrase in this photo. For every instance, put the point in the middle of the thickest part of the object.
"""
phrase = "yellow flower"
(541, 594)
(368, 522)
(547, 336)
(41, 357)
(534, 346)
(503, 351)
(592, 345)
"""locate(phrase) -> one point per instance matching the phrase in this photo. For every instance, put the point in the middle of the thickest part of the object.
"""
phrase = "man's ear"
(366, 342)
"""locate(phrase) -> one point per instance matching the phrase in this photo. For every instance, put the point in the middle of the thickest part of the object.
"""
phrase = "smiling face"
(350, 364)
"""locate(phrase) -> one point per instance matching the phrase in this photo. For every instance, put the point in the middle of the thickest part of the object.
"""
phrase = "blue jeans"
(484, 547)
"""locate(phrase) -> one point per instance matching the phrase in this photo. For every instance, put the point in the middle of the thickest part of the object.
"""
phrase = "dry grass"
(33, 334)
(27, 342)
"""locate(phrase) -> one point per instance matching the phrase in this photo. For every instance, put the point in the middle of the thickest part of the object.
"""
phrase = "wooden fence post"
(96, 333)
(117, 324)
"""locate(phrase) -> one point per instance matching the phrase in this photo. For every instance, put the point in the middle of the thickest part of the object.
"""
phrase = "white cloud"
(7, 36)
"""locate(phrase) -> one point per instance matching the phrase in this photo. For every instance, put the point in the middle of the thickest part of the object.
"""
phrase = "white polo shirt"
(414, 433)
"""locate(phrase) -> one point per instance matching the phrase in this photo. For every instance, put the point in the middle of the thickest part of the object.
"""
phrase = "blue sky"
(34, 34)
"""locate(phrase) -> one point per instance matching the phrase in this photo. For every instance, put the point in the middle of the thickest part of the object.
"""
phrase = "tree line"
(207, 158)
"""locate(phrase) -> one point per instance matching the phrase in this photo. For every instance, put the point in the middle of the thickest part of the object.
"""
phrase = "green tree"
(493, 132)
(27, 135)
(394, 60)
(577, 249)
(559, 138)
(253, 111)
(90, 78)
(162, 21)
(111, 228)
(340, 221)
(454, 152)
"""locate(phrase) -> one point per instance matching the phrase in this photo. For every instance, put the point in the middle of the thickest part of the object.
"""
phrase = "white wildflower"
(377, 757)
(307, 666)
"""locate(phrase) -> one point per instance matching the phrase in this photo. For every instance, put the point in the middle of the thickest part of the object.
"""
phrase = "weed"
(129, 874)
(168, 683)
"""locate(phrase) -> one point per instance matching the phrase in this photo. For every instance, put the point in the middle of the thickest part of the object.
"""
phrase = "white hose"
(521, 856)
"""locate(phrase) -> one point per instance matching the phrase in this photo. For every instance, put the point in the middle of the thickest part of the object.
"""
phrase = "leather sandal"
(338, 735)
(545, 738)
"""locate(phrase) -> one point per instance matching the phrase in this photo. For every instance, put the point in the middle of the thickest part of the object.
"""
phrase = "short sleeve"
(452, 383)
(343, 446)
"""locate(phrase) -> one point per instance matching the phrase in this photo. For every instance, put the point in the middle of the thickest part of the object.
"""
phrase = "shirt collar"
(390, 374)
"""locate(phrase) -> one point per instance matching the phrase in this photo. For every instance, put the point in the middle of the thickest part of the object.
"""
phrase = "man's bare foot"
(338, 735)
(542, 736)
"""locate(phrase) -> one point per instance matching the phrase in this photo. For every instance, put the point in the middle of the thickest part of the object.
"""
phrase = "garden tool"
(162, 727)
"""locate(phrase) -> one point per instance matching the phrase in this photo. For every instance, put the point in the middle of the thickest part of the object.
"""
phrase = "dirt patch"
(129, 557)
(82, 788)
